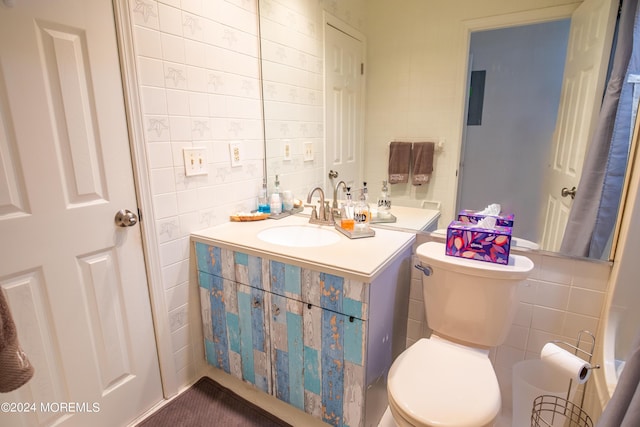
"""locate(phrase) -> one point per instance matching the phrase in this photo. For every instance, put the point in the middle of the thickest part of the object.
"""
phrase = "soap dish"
(356, 234)
(285, 214)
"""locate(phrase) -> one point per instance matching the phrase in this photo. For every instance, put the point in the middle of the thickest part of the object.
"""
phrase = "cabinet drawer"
(237, 266)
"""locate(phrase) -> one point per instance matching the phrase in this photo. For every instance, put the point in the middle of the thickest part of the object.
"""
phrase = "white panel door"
(75, 281)
(590, 37)
(343, 109)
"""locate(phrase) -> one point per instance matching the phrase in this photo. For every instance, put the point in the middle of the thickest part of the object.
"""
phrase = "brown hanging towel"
(15, 368)
(422, 162)
(399, 162)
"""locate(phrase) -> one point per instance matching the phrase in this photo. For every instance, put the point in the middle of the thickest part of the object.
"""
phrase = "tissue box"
(466, 240)
(502, 220)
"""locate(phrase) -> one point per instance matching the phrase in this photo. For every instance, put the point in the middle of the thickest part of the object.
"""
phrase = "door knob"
(566, 192)
(126, 218)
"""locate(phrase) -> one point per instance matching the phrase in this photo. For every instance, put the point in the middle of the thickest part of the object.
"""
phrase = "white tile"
(175, 75)
(587, 302)
(170, 19)
(548, 320)
(180, 129)
(178, 102)
(524, 313)
(145, 13)
(556, 270)
(150, 72)
(180, 337)
(174, 251)
(592, 275)
(165, 205)
(414, 330)
(574, 323)
(182, 358)
(194, 221)
(199, 104)
(187, 201)
(526, 291)
(173, 49)
(159, 155)
(176, 296)
(154, 100)
(178, 318)
(147, 43)
(168, 229)
(552, 295)
(416, 310)
(196, 79)
(192, 26)
(194, 6)
(162, 181)
(156, 128)
(174, 276)
(517, 337)
(195, 53)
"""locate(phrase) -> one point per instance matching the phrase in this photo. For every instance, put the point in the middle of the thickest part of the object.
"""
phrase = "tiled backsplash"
(561, 297)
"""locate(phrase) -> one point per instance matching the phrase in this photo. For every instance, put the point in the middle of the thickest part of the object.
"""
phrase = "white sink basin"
(301, 236)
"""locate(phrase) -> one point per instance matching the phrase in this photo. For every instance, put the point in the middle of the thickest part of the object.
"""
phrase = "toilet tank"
(468, 300)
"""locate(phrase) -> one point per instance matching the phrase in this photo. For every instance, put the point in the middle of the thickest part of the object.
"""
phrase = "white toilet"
(447, 380)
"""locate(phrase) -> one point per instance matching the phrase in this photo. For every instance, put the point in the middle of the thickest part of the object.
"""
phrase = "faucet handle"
(314, 213)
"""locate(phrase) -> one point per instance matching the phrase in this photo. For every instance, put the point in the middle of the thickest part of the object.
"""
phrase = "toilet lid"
(439, 383)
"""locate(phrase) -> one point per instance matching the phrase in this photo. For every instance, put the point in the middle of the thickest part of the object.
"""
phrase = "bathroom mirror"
(422, 48)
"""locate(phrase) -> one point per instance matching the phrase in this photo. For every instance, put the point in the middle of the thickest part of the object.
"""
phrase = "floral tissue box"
(466, 240)
(473, 217)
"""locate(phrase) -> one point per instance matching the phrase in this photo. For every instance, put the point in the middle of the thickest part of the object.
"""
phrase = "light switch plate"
(195, 161)
(308, 151)
(286, 150)
(236, 153)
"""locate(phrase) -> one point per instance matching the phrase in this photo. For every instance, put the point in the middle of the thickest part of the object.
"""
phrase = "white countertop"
(359, 259)
(413, 218)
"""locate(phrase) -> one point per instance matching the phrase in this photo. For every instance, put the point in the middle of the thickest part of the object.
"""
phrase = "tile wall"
(561, 297)
(199, 84)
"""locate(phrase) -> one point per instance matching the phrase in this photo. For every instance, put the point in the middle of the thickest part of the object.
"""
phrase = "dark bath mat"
(207, 403)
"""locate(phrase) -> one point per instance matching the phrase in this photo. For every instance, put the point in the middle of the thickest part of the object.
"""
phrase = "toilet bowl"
(439, 383)
(447, 380)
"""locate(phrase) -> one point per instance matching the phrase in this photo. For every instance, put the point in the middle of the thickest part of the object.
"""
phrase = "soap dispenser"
(275, 203)
(346, 213)
(362, 214)
(384, 201)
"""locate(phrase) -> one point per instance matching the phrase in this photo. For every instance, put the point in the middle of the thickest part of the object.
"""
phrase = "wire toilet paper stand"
(551, 411)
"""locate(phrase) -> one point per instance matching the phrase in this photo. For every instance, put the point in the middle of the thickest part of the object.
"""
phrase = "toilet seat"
(438, 383)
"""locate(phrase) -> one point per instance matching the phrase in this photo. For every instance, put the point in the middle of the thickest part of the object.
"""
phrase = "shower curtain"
(594, 211)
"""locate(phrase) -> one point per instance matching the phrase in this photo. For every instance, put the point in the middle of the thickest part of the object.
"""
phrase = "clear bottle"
(365, 190)
(275, 203)
(346, 214)
(263, 198)
(384, 201)
(362, 214)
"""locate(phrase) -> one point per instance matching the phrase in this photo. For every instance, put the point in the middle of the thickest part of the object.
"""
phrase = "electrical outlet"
(286, 151)
(308, 151)
(195, 161)
(236, 153)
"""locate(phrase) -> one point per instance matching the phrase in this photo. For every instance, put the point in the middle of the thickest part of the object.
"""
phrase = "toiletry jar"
(503, 220)
(466, 240)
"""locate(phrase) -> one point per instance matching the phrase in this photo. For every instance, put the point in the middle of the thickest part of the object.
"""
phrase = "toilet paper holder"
(548, 405)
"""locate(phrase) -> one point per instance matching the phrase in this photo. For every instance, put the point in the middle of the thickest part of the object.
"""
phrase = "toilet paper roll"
(566, 363)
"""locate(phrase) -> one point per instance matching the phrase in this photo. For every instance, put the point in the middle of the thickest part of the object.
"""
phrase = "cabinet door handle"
(309, 306)
(351, 319)
(256, 303)
(276, 309)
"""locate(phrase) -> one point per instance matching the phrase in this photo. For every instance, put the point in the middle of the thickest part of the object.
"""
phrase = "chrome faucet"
(334, 205)
(325, 216)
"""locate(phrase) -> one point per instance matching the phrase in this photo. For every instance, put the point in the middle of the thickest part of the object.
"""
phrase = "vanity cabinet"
(290, 331)
(314, 335)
